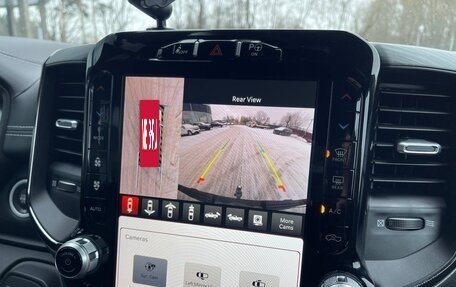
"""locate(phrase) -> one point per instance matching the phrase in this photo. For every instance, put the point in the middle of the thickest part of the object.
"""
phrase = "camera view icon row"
(213, 215)
(191, 212)
(153, 271)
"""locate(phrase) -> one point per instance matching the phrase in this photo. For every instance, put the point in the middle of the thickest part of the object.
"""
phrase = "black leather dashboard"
(21, 62)
(418, 57)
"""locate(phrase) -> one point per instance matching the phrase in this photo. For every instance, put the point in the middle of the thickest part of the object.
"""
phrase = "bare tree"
(293, 120)
(261, 118)
(81, 8)
(201, 14)
(114, 16)
(63, 20)
(24, 18)
(245, 120)
(94, 20)
(420, 22)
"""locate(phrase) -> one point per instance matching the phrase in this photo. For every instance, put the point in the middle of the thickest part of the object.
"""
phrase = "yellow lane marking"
(209, 165)
(280, 184)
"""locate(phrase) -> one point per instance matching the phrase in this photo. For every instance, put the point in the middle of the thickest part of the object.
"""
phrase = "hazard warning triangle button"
(217, 50)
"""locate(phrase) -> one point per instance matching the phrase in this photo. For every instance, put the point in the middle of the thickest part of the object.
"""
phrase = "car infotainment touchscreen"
(214, 181)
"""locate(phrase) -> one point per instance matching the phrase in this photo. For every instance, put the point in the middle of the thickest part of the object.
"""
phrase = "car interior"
(226, 157)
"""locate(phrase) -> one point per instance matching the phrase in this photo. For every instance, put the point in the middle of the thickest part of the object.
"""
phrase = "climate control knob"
(340, 279)
(81, 256)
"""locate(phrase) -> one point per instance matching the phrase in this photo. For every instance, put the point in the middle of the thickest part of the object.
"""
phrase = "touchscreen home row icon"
(191, 212)
(144, 207)
(150, 208)
(164, 209)
(170, 210)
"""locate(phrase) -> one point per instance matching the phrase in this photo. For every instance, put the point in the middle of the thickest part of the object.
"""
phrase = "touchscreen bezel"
(320, 128)
(328, 57)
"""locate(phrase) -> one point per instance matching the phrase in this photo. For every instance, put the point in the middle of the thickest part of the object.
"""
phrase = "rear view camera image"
(235, 142)
(245, 153)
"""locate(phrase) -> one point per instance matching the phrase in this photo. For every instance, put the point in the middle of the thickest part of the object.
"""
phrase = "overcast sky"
(274, 113)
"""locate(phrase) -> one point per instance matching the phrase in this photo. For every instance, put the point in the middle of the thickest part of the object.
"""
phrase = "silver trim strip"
(67, 182)
(195, 49)
(30, 176)
(66, 124)
(418, 146)
(11, 195)
(41, 228)
(238, 49)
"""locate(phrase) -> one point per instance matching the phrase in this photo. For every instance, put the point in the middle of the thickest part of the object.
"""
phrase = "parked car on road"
(283, 131)
(188, 129)
(216, 124)
(203, 126)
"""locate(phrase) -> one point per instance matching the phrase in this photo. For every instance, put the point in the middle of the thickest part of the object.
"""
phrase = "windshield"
(427, 23)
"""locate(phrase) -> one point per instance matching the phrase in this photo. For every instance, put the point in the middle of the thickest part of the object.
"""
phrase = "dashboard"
(242, 158)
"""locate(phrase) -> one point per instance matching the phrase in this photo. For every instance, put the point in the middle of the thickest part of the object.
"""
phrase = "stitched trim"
(26, 89)
(20, 127)
(18, 135)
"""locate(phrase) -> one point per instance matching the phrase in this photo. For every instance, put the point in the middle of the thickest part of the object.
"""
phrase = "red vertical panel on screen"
(149, 133)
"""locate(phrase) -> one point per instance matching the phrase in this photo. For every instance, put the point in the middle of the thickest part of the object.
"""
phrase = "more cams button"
(286, 224)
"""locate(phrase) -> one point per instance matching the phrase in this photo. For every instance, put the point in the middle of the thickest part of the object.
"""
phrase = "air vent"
(67, 123)
(417, 118)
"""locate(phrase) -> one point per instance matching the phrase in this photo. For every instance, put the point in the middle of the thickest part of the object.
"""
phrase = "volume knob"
(81, 256)
(340, 279)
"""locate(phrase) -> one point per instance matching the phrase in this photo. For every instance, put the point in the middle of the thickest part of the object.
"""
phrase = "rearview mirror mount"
(160, 10)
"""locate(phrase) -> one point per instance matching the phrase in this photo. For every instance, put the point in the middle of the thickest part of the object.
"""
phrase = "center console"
(222, 158)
